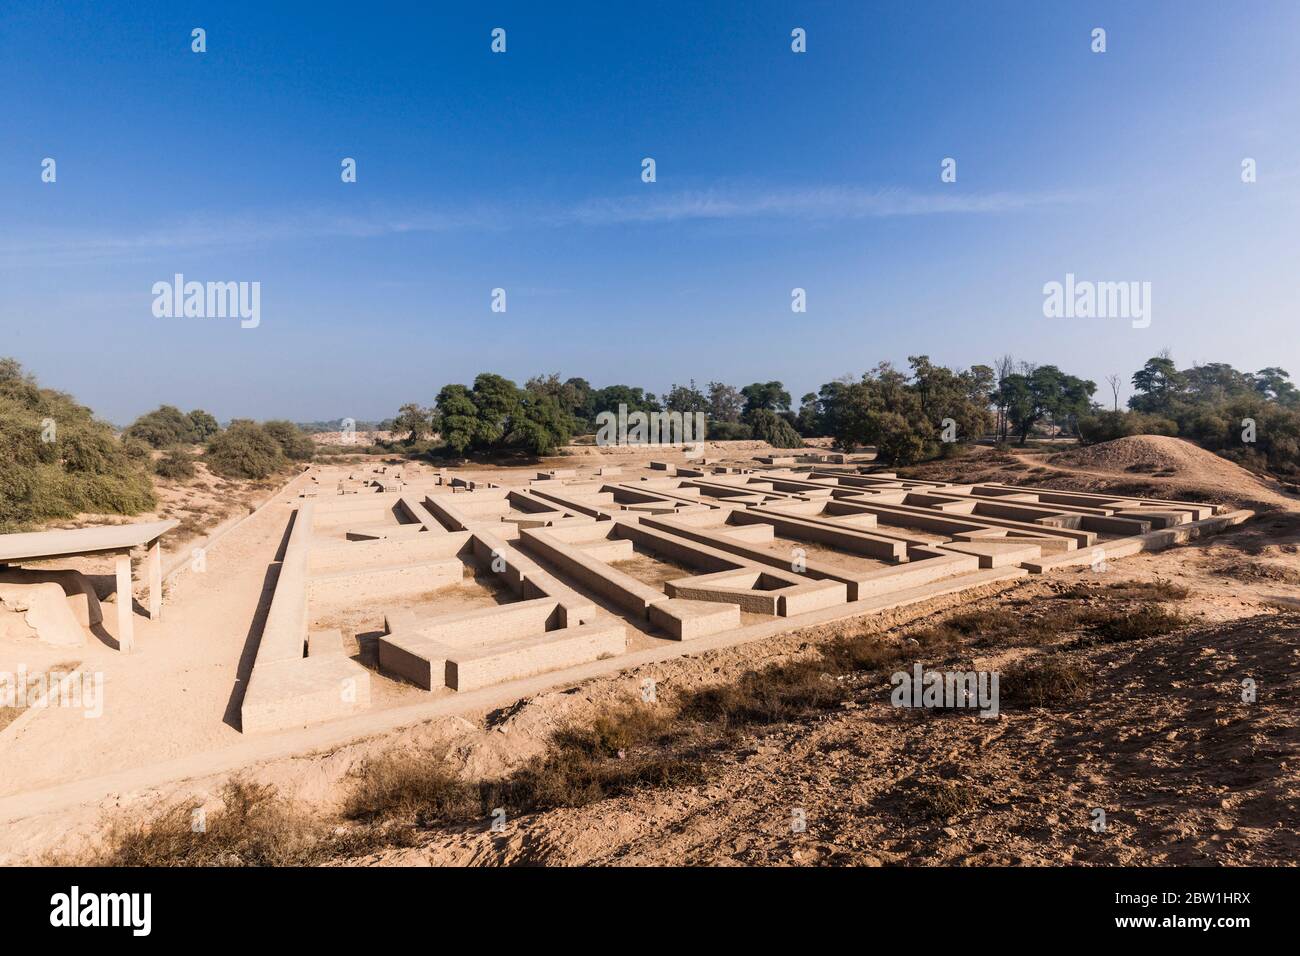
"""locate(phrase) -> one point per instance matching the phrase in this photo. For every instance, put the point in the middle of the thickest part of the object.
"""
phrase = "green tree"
(457, 418)
(807, 423)
(413, 420)
(686, 399)
(771, 396)
(725, 403)
(540, 425)
(1159, 384)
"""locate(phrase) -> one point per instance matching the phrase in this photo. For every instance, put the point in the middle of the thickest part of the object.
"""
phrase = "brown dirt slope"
(1150, 465)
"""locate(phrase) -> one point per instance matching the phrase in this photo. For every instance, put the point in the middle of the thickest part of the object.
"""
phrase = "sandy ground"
(178, 690)
(1185, 772)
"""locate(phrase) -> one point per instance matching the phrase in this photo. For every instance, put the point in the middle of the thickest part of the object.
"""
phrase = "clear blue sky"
(522, 171)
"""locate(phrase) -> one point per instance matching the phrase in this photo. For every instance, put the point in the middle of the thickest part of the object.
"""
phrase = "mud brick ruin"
(454, 585)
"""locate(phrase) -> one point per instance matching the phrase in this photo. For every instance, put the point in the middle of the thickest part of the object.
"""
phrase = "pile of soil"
(1153, 453)
(1187, 466)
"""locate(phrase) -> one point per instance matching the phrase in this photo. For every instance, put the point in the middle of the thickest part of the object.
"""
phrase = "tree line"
(908, 415)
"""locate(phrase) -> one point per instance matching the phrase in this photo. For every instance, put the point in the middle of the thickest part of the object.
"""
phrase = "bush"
(245, 450)
(57, 460)
(295, 444)
(202, 426)
(167, 425)
(1107, 426)
(770, 427)
(177, 464)
(729, 431)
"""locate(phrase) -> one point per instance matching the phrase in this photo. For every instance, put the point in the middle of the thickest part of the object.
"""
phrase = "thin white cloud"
(823, 204)
(827, 204)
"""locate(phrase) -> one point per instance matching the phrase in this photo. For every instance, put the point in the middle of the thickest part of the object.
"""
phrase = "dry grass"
(1043, 682)
(1157, 590)
(621, 748)
(774, 694)
(254, 826)
(937, 800)
(1149, 621)
(415, 788)
(994, 626)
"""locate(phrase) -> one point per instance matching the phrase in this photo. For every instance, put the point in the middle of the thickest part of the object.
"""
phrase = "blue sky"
(521, 170)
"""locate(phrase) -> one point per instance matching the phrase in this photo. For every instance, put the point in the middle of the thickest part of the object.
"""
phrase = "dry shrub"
(933, 799)
(621, 748)
(1149, 621)
(1041, 683)
(416, 788)
(774, 694)
(1157, 590)
(254, 826)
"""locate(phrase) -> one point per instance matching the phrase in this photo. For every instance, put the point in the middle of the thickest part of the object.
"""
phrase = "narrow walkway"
(172, 696)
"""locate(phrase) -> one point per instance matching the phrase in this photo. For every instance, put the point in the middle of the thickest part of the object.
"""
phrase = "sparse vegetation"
(254, 826)
(773, 694)
(1041, 682)
(1149, 621)
(624, 747)
(1157, 590)
(620, 748)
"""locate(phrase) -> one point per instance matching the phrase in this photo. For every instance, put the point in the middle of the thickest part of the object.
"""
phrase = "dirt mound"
(1153, 453)
(1188, 466)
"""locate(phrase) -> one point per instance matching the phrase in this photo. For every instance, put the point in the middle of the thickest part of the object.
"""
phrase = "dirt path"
(177, 693)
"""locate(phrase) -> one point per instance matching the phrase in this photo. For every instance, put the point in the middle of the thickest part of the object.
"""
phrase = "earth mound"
(1187, 465)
